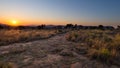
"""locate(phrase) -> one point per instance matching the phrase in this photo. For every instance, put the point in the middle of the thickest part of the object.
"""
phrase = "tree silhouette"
(101, 27)
(41, 26)
(1, 27)
(118, 27)
(69, 26)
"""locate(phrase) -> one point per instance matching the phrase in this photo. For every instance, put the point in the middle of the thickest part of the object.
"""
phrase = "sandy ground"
(55, 52)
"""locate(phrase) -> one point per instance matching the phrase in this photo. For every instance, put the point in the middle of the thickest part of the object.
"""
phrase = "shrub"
(11, 36)
(116, 41)
(104, 54)
(6, 65)
(102, 45)
(101, 55)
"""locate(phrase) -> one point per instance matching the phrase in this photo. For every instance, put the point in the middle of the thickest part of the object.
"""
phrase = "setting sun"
(14, 23)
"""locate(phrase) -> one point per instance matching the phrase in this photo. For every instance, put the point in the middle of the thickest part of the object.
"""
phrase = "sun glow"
(14, 23)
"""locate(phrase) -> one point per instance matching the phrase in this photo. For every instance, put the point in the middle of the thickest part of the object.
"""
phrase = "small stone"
(76, 65)
(4, 52)
(81, 50)
(66, 52)
(113, 66)
(56, 50)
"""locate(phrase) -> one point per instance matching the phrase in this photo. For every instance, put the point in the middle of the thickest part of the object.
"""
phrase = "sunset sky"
(83, 12)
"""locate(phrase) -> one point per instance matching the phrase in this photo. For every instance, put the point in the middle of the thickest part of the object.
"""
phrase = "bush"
(6, 65)
(104, 54)
(102, 45)
(11, 36)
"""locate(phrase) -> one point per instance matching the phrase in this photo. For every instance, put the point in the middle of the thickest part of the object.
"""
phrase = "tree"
(69, 26)
(41, 26)
(1, 27)
(101, 27)
(118, 27)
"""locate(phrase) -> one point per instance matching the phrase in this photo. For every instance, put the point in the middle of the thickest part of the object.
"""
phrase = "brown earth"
(55, 52)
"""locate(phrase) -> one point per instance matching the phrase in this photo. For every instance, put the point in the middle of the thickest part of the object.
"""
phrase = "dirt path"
(55, 52)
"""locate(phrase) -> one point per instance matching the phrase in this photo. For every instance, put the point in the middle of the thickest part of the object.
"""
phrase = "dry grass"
(102, 45)
(7, 65)
(12, 36)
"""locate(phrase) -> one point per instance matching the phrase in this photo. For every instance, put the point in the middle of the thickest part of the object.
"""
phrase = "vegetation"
(103, 45)
(6, 65)
(97, 44)
(13, 35)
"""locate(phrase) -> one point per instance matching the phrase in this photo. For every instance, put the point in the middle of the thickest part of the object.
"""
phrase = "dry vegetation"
(102, 45)
(13, 36)
(7, 65)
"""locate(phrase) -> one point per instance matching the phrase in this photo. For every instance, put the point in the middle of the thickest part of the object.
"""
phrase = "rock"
(76, 65)
(88, 65)
(113, 66)
(81, 50)
(4, 52)
(53, 58)
(93, 64)
(66, 52)
(51, 61)
(116, 62)
(98, 65)
(27, 60)
(56, 50)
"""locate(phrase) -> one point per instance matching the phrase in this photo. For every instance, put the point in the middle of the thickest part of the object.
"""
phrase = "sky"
(61, 12)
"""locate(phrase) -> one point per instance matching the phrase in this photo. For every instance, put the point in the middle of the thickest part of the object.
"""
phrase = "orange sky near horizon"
(49, 22)
(31, 22)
